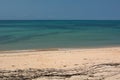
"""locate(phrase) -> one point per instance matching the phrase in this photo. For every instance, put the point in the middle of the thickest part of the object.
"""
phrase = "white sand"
(59, 59)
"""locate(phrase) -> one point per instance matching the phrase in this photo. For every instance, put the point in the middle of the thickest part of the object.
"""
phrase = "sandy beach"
(61, 64)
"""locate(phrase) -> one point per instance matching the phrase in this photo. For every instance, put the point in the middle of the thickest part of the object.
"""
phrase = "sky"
(59, 9)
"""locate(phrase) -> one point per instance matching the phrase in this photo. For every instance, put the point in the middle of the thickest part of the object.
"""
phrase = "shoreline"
(67, 63)
(53, 49)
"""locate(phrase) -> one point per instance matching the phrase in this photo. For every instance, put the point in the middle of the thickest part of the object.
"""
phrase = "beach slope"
(61, 64)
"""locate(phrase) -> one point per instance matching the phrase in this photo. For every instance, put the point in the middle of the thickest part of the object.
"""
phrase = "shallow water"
(36, 34)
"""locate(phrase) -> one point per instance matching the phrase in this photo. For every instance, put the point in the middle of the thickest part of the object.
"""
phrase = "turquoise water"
(37, 34)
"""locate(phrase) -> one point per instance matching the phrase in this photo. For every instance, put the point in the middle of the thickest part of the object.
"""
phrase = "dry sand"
(61, 64)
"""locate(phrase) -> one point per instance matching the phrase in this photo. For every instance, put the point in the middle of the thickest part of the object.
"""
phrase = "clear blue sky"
(60, 9)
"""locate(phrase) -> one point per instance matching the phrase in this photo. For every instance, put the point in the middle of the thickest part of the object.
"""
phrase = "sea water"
(41, 34)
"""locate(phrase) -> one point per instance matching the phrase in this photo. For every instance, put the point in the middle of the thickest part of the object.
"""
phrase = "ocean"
(42, 34)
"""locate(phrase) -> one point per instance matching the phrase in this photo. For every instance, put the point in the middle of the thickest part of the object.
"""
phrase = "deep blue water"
(37, 34)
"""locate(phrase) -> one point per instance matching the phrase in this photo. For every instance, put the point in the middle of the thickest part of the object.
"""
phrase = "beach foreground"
(61, 64)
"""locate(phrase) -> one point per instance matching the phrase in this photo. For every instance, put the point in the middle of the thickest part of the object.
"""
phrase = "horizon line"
(54, 19)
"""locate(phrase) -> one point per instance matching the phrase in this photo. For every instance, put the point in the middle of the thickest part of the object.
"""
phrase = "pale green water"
(58, 34)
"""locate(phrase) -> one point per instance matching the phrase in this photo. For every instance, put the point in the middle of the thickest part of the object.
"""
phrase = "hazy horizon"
(60, 19)
(59, 10)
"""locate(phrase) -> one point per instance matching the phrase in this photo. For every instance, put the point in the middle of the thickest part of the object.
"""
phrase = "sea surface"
(40, 34)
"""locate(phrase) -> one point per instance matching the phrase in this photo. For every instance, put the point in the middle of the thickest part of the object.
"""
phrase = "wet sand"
(61, 64)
